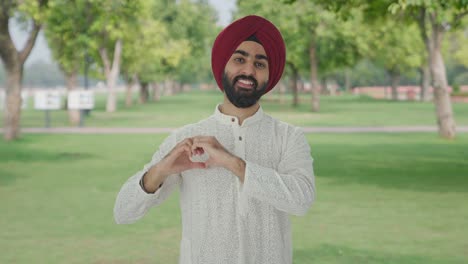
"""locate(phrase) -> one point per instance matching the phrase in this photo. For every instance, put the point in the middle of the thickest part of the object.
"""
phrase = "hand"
(178, 160)
(218, 155)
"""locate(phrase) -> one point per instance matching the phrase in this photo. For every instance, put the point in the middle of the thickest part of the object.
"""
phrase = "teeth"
(246, 82)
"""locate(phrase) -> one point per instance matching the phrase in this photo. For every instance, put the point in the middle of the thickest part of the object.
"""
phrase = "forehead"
(252, 48)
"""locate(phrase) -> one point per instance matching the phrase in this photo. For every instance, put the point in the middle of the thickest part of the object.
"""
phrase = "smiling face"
(246, 74)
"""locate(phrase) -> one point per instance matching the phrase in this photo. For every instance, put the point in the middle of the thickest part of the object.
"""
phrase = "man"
(240, 172)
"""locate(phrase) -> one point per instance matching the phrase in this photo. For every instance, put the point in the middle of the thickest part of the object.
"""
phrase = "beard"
(240, 97)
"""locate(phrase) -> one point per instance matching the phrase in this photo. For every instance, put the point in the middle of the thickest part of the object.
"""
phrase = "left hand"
(218, 155)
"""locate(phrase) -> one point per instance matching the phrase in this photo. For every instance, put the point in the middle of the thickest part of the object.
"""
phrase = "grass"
(382, 198)
(181, 109)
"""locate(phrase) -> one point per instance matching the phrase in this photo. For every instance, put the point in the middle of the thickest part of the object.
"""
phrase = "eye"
(239, 60)
(260, 65)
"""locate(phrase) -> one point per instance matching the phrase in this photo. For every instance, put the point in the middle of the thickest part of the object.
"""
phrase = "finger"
(197, 150)
(202, 147)
(184, 144)
(209, 163)
(198, 165)
(187, 141)
(179, 151)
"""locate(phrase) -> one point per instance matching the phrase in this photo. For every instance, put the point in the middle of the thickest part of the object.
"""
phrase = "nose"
(248, 69)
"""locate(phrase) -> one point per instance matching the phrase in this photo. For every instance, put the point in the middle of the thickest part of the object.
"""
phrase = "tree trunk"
(295, 77)
(168, 87)
(386, 95)
(12, 114)
(176, 87)
(13, 62)
(324, 87)
(443, 104)
(347, 83)
(425, 82)
(293, 83)
(73, 114)
(280, 91)
(112, 73)
(395, 82)
(131, 82)
(129, 94)
(144, 92)
(315, 87)
(425, 70)
(156, 91)
(332, 87)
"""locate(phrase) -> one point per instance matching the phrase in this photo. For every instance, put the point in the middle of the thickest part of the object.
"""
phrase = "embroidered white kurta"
(224, 220)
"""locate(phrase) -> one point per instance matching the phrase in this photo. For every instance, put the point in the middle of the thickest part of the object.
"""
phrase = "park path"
(159, 130)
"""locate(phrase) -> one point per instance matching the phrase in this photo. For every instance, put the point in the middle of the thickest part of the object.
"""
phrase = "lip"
(247, 83)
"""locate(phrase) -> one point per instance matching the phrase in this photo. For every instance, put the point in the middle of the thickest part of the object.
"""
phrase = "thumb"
(198, 165)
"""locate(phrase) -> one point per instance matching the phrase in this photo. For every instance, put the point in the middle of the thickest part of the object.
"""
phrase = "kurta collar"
(227, 119)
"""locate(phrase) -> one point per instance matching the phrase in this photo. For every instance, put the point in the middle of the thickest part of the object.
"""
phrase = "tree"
(109, 24)
(167, 48)
(437, 17)
(308, 28)
(284, 17)
(67, 34)
(434, 18)
(395, 47)
(195, 22)
(161, 52)
(32, 13)
(192, 23)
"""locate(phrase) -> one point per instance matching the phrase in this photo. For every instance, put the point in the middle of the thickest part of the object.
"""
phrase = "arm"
(291, 188)
(133, 202)
(152, 185)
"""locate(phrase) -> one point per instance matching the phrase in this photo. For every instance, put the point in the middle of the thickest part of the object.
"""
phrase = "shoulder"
(282, 128)
(194, 129)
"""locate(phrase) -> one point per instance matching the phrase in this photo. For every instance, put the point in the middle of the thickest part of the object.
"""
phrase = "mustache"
(245, 77)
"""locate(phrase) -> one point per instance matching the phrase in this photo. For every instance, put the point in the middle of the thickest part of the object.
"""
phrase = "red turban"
(236, 33)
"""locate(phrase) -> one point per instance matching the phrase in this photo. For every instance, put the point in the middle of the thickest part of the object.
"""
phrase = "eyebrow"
(246, 54)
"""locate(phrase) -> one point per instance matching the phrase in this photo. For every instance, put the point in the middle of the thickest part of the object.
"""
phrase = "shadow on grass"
(331, 254)
(7, 177)
(29, 155)
(419, 167)
(21, 153)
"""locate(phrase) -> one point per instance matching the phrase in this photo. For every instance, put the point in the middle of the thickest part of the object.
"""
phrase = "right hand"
(178, 160)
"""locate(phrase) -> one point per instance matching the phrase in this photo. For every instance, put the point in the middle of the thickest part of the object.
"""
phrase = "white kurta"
(223, 220)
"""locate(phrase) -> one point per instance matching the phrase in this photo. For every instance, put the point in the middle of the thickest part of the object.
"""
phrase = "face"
(246, 74)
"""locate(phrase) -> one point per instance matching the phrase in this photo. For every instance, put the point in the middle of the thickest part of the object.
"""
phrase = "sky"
(41, 51)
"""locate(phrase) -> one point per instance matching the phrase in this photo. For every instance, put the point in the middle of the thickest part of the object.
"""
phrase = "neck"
(228, 108)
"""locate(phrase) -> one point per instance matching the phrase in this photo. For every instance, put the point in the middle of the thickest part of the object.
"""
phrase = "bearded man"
(240, 172)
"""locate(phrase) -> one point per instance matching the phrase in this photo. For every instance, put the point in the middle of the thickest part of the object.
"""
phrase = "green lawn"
(178, 110)
(382, 198)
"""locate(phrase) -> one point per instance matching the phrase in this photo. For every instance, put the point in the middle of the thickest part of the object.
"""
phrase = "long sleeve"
(290, 188)
(133, 202)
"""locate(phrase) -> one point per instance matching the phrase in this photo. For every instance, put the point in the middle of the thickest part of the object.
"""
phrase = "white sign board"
(80, 99)
(47, 100)
(24, 100)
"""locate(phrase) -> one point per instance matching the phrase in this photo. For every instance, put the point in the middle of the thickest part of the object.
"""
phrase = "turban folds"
(239, 31)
